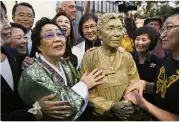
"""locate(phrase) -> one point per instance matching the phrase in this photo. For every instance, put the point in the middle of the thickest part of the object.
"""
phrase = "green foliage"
(155, 8)
(163, 11)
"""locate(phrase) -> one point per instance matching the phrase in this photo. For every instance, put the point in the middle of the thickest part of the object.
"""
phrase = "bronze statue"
(119, 68)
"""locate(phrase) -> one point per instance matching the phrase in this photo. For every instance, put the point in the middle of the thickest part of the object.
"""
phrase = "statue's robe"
(118, 75)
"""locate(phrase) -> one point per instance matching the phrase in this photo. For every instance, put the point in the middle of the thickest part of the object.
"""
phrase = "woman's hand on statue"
(137, 85)
(27, 61)
(136, 99)
(93, 79)
(55, 109)
(123, 109)
(121, 49)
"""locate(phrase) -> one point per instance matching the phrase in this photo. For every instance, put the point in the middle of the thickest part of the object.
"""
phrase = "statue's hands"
(123, 109)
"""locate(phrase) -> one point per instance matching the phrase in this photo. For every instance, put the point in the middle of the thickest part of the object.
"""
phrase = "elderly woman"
(51, 74)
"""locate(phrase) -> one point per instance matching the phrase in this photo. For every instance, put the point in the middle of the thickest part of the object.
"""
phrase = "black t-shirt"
(148, 70)
(166, 95)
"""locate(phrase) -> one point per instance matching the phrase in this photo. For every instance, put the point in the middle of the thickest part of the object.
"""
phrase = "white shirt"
(29, 45)
(7, 73)
(79, 51)
(80, 88)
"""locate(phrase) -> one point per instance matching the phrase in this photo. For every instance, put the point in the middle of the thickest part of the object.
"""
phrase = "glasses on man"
(22, 16)
(51, 35)
(167, 28)
(92, 27)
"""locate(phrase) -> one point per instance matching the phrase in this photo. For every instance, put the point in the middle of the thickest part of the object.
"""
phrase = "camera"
(124, 6)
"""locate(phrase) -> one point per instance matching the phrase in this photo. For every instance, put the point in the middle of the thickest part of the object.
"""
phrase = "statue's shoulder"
(91, 53)
(126, 55)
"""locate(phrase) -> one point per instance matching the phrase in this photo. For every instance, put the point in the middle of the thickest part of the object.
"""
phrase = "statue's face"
(112, 33)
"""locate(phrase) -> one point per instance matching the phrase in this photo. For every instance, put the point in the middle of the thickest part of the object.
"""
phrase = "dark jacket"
(12, 107)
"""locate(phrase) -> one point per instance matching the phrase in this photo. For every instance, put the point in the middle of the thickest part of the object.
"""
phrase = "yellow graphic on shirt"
(164, 82)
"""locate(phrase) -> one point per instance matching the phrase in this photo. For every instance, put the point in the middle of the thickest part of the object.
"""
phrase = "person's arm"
(140, 86)
(160, 114)
(130, 25)
(87, 8)
(81, 89)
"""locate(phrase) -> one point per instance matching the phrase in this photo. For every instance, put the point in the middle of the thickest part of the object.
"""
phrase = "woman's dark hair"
(153, 35)
(84, 19)
(36, 33)
(16, 25)
(71, 38)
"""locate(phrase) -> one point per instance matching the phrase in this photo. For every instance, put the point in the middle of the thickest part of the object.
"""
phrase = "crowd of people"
(102, 68)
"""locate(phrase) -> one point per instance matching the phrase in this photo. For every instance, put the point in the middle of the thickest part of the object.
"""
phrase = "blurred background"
(145, 9)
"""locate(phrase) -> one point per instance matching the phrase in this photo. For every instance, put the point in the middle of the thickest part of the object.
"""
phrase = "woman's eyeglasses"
(92, 27)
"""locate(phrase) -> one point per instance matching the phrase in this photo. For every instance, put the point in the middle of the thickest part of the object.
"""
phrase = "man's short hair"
(105, 18)
(16, 25)
(59, 4)
(22, 4)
